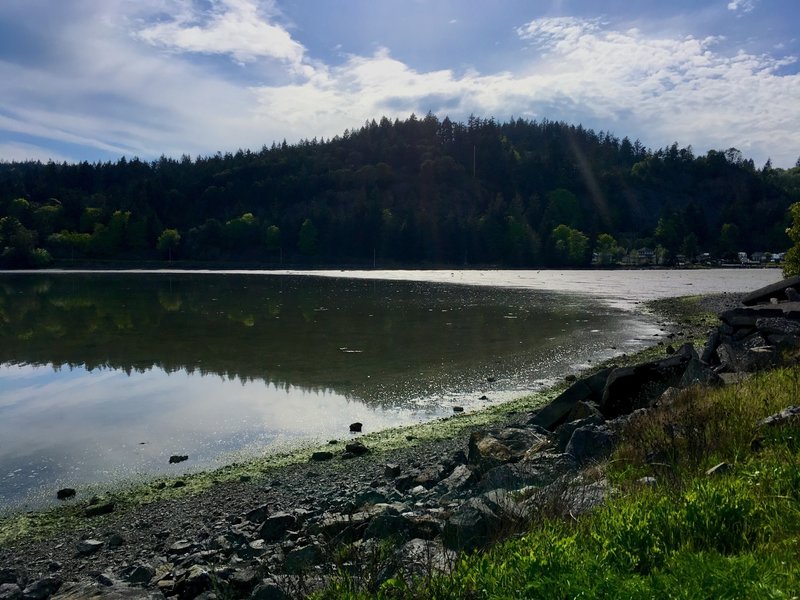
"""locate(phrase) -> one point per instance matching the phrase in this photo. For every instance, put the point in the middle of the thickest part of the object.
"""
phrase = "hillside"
(419, 191)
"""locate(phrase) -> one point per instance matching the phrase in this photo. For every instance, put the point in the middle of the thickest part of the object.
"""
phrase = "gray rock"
(193, 582)
(391, 470)
(490, 448)
(787, 417)
(387, 525)
(302, 558)
(10, 591)
(565, 431)
(9, 575)
(697, 373)
(268, 589)
(276, 526)
(556, 411)
(629, 388)
(356, 448)
(243, 581)
(182, 547)
(420, 557)
(139, 574)
(775, 290)
(473, 525)
(591, 443)
(583, 410)
(259, 514)
(321, 455)
(87, 547)
(747, 317)
(779, 326)
(65, 493)
(345, 526)
(42, 588)
(539, 472)
(709, 354)
(462, 478)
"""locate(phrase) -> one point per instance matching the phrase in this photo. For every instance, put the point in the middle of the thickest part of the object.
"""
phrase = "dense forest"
(413, 192)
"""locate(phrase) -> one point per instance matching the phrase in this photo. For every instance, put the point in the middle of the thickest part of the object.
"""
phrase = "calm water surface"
(103, 376)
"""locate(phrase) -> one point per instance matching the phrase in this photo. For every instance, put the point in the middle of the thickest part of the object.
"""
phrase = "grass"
(735, 535)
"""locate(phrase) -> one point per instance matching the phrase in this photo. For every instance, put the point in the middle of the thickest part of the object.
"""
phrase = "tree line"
(405, 192)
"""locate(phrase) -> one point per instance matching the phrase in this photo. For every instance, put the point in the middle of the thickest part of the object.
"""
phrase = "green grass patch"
(735, 535)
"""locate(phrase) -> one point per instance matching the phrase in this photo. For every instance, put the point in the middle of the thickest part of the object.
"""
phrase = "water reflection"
(106, 375)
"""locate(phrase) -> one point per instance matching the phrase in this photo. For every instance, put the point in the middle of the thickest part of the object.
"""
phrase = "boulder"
(356, 427)
(87, 547)
(356, 448)
(178, 458)
(462, 478)
(490, 448)
(565, 431)
(276, 526)
(629, 388)
(698, 373)
(138, 574)
(583, 410)
(10, 591)
(321, 455)
(243, 581)
(591, 443)
(775, 290)
(268, 589)
(391, 470)
(42, 588)
(555, 412)
(473, 525)
(779, 326)
(787, 417)
(194, 581)
(544, 469)
(65, 493)
(747, 317)
(302, 558)
(709, 354)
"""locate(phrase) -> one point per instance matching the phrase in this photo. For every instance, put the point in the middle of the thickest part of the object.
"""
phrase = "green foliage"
(791, 265)
(414, 191)
(608, 251)
(570, 246)
(168, 242)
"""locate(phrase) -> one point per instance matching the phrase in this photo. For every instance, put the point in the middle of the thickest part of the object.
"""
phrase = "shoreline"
(28, 528)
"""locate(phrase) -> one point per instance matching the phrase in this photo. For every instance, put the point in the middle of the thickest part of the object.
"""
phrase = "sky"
(99, 79)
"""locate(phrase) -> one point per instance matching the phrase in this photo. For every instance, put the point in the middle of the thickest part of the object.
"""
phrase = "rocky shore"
(375, 513)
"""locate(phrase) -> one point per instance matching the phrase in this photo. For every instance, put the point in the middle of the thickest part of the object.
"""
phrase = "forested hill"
(419, 191)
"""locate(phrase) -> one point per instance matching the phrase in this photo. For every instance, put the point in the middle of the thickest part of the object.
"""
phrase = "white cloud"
(744, 5)
(115, 92)
(233, 27)
(660, 89)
